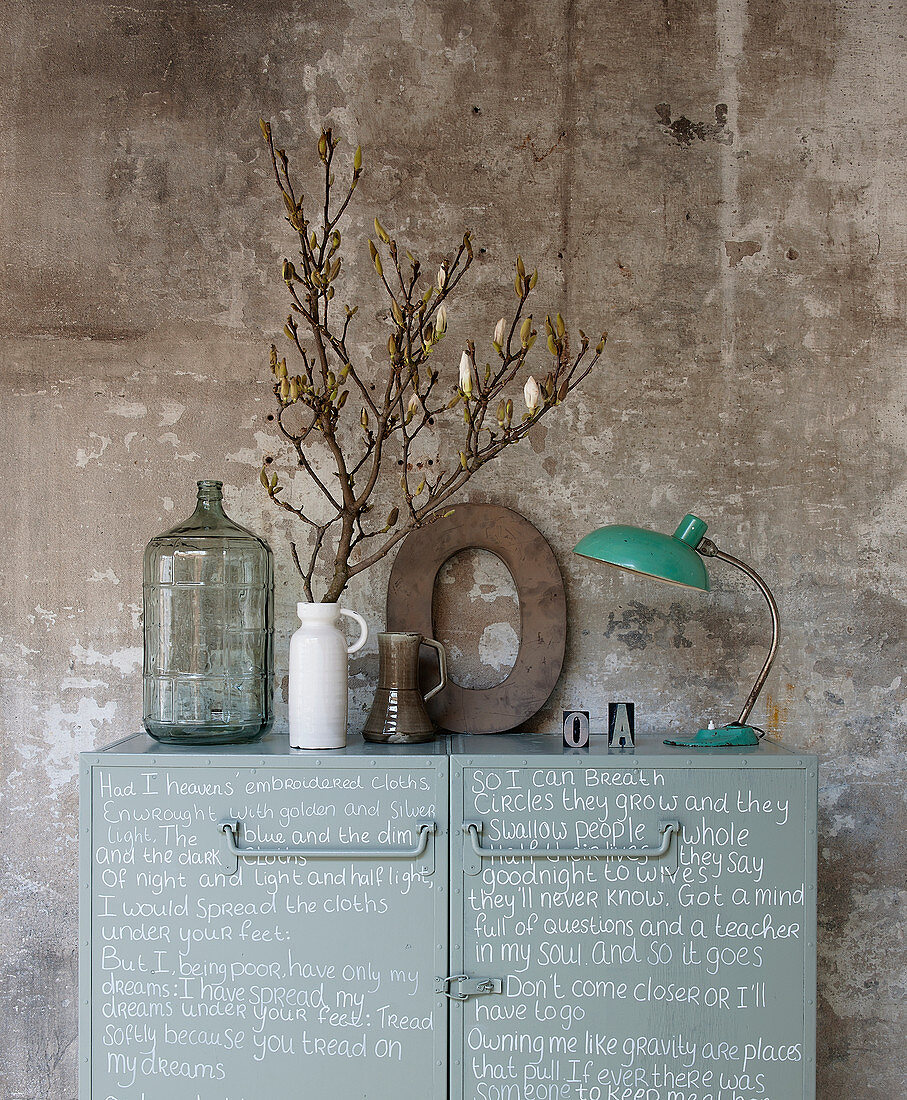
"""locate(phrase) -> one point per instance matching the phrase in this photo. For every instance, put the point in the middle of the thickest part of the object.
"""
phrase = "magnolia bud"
(442, 277)
(441, 321)
(414, 405)
(532, 395)
(465, 374)
(525, 331)
(500, 331)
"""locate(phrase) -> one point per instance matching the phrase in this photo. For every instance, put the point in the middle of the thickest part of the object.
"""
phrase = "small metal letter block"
(576, 729)
(621, 725)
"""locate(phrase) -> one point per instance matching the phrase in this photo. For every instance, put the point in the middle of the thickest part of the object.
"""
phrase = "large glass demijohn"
(209, 629)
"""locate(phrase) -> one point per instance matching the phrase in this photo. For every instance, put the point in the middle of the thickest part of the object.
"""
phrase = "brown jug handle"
(442, 665)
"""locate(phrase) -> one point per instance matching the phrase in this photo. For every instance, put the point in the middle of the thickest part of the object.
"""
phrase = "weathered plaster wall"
(748, 260)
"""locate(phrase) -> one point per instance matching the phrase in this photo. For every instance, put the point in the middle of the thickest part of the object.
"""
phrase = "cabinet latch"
(468, 987)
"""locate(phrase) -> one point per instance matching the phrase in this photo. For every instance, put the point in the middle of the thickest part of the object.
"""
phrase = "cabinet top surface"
(511, 748)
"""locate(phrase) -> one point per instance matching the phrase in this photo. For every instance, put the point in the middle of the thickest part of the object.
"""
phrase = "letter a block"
(621, 725)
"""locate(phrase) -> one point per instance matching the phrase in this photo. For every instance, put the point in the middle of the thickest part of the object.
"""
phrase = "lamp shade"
(670, 558)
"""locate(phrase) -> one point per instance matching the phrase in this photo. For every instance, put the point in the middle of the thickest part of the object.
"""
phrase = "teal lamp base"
(731, 736)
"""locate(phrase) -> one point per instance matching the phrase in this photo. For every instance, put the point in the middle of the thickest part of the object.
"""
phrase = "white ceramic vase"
(319, 693)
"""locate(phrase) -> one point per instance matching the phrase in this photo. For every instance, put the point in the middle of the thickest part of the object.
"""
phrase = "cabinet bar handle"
(473, 830)
(230, 830)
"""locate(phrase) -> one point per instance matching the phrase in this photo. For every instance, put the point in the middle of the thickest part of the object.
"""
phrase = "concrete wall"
(747, 259)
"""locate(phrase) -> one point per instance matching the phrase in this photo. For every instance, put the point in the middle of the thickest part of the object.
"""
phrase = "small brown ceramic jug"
(398, 715)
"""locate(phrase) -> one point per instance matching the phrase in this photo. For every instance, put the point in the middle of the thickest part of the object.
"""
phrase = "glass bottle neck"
(210, 499)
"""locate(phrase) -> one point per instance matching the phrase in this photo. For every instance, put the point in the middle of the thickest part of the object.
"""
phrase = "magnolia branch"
(411, 394)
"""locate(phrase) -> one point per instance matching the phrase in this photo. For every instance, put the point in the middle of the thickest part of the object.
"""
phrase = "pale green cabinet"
(481, 918)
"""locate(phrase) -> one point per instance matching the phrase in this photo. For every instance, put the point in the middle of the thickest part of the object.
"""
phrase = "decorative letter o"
(543, 612)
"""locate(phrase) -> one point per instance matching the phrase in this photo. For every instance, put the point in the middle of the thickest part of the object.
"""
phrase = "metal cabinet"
(482, 918)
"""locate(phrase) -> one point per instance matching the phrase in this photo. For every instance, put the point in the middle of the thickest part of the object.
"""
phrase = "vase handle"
(363, 637)
(442, 665)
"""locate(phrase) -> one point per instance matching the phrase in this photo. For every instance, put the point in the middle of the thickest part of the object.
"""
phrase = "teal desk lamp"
(677, 559)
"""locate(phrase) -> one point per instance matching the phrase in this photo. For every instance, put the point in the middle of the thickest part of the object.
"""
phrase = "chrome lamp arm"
(708, 549)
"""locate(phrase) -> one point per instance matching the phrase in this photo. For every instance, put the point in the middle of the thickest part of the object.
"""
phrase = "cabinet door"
(221, 976)
(677, 970)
